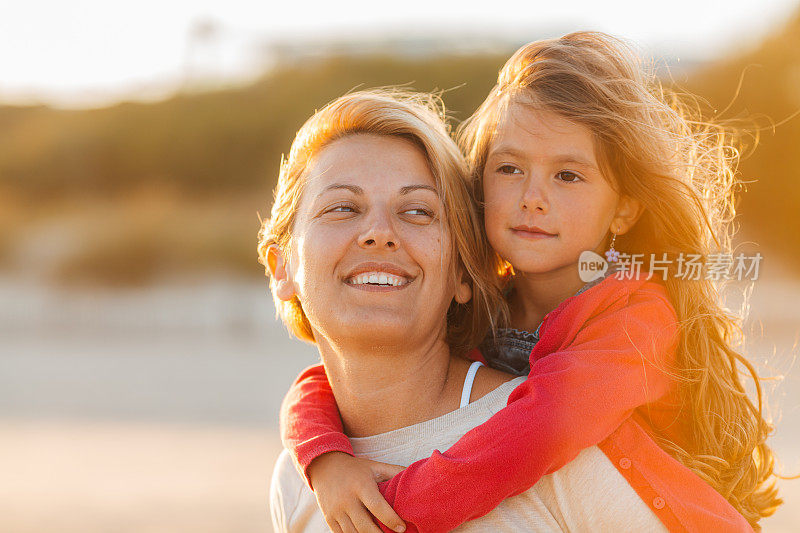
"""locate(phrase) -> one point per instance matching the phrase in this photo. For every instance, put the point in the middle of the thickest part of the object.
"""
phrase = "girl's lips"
(531, 232)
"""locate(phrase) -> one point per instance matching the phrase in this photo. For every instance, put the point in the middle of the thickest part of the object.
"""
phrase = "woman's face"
(546, 199)
(370, 252)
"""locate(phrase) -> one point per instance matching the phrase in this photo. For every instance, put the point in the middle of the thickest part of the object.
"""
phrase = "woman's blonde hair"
(420, 119)
(651, 147)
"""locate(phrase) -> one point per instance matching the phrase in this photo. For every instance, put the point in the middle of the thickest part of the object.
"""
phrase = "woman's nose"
(534, 197)
(379, 234)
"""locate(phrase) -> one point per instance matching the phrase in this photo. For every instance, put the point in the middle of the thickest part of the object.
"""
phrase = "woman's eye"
(418, 211)
(509, 169)
(341, 209)
(568, 177)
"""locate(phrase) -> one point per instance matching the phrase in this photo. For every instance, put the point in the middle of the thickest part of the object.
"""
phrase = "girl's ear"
(628, 212)
(276, 262)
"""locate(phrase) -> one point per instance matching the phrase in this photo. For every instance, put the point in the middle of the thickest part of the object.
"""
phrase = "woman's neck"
(536, 294)
(379, 389)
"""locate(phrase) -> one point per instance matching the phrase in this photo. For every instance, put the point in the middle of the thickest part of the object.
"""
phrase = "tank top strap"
(466, 392)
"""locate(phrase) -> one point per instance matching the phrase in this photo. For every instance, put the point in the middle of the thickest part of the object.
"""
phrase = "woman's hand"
(347, 493)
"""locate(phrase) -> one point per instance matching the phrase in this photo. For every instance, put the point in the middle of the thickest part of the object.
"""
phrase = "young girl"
(576, 149)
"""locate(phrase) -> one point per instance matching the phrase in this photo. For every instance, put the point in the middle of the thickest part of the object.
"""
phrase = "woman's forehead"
(366, 162)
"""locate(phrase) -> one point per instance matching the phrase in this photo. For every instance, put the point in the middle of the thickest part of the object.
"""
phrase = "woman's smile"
(379, 277)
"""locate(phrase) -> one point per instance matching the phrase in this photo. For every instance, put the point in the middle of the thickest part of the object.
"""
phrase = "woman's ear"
(463, 289)
(628, 212)
(276, 262)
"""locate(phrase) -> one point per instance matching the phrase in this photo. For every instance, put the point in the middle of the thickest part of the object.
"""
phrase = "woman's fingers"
(384, 471)
(380, 509)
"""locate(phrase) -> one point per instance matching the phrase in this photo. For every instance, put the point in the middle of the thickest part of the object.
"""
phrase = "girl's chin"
(538, 267)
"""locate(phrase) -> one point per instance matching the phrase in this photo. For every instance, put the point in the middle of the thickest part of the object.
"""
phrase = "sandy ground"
(157, 412)
(133, 477)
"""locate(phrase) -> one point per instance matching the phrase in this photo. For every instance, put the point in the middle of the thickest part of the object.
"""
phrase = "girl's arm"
(310, 421)
(583, 384)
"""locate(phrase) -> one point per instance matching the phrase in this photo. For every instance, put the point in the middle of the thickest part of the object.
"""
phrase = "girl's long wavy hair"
(653, 146)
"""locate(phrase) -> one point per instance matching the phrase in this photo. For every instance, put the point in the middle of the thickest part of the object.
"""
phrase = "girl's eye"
(568, 177)
(509, 169)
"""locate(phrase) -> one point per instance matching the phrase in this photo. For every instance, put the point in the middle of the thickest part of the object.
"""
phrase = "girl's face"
(546, 199)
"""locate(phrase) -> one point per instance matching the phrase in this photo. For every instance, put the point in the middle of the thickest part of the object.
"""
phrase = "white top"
(588, 494)
(466, 391)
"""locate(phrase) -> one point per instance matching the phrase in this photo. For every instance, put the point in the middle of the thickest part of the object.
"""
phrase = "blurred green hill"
(226, 141)
(127, 193)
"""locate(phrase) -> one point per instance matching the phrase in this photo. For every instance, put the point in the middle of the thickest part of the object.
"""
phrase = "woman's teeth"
(377, 278)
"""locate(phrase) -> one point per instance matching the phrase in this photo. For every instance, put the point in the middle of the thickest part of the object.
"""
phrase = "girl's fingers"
(331, 521)
(347, 525)
(384, 471)
(380, 509)
(363, 522)
(335, 527)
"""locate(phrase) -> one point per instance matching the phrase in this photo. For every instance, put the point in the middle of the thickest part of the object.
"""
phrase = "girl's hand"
(347, 493)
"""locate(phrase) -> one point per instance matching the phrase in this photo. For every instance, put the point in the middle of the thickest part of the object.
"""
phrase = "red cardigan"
(597, 378)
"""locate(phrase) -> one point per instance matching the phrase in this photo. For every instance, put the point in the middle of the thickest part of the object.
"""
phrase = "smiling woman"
(369, 240)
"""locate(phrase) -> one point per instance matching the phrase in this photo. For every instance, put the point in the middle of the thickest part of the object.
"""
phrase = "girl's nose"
(534, 198)
(379, 234)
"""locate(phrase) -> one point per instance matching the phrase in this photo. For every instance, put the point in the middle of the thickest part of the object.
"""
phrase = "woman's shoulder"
(286, 480)
(488, 380)
(293, 505)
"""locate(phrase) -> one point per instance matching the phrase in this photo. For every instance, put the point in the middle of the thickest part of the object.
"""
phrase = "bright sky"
(92, 52)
